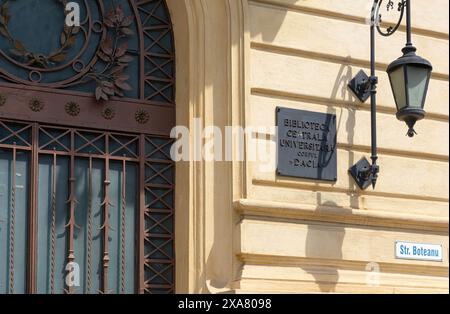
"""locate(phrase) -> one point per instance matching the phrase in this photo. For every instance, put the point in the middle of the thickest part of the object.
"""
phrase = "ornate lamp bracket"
(365, 86)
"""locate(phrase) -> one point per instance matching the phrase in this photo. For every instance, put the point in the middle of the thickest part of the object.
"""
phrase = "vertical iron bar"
(89, 226)
(173, 227)
(106, 226)
(408, 24)
(53, 231)
(72, 202)
(373, 103)
(32, 212)
(141, 218)
(13, 221)
(123, 216)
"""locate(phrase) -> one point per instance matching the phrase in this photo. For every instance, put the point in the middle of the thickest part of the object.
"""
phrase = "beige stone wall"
(241, 230)
(304, 236)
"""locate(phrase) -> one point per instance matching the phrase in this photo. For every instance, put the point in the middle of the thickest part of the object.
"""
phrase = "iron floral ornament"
(106, 67)
(390, 5)
(111, 81)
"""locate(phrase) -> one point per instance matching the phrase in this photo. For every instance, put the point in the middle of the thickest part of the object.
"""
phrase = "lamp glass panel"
(397, 78)
(417, 83)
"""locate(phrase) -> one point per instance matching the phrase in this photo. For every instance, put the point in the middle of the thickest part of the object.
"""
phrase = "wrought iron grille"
(121, 48)
(100, 199)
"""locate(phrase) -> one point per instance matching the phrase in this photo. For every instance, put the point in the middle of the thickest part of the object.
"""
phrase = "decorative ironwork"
(72, 201)
(53, 228)
(122, 48)
(123, 226)
(63, 147)
(2, 100)
(390, 30)
(13, 221)
(106, 227)
(109, 78)
(108, 113)
(159, 216)
(15, 135)
(89, 226)
(72, 109)
(36, 105)
(142, 116)
(111, 81)
(19, 51)
(363, 86)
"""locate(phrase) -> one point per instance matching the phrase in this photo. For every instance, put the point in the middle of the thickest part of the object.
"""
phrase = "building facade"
(92, 201)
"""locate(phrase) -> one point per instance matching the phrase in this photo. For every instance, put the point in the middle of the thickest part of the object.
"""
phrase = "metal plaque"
(306, 144)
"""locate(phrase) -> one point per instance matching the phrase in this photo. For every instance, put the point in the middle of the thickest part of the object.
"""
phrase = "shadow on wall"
(345, 74)
(325, 243)
(322, 242)
(269, 34)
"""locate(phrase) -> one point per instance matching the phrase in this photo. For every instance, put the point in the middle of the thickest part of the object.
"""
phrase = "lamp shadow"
(323, 246)
(341, 93)
(324, 241)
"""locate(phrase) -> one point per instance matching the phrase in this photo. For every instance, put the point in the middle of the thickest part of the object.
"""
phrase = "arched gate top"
(121, 48)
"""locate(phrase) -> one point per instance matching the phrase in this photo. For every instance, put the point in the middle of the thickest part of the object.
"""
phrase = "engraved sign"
(306, 144)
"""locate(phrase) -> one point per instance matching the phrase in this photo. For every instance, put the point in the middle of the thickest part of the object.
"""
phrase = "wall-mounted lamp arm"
(363, 86)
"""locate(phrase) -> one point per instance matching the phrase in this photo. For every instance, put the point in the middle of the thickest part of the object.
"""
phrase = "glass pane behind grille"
(89, 218)
(88, 239)
(52, 233)
(88, 188)
(14, 189)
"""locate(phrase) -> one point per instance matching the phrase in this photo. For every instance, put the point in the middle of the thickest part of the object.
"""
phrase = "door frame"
(212, 43)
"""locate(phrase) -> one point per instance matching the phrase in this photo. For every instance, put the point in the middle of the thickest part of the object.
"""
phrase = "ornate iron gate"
(86, 179)
(103, 200)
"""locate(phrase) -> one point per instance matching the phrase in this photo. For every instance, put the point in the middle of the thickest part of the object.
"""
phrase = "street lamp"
(409, 77)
